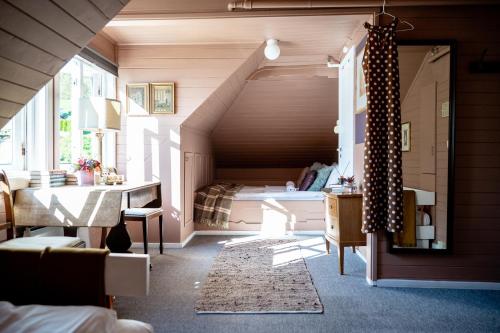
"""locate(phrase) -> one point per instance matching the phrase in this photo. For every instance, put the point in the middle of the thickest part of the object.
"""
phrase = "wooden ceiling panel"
(108, 7)
(315, 37)
(17, 50)
(49, 14)
(38, 37)
(279, 123)
(23, 75)
(16, 93)
(24, 27)
(85, 12)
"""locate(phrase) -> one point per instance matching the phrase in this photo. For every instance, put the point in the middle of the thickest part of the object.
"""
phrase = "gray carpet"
(349, 304)
(259, 276)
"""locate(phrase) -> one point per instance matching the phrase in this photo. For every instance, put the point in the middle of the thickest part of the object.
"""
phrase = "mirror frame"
(451, 152)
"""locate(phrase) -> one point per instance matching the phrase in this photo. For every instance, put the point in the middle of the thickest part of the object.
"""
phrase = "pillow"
(321, 179)
(334, 176)
(316, 166)
(308, 180)
(302, 176)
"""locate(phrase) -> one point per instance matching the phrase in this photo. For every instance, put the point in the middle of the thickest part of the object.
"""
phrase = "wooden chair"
(145, 215)
(27, 242)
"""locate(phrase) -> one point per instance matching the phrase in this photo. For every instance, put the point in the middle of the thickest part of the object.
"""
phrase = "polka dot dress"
(383, 183)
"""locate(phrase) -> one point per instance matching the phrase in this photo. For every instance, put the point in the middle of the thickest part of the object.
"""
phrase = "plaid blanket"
(212, 205)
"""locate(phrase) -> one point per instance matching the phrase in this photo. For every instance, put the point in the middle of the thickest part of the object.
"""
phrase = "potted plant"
(85, 170)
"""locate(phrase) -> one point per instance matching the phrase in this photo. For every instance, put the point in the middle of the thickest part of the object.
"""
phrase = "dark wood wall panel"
(279, 123)
(476, 228)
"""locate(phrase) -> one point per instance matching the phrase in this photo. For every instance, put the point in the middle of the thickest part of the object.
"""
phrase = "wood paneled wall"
(104, 46)
(153, 147)
(258, 176)
(476, 224)
(279, 123)
(38, 37)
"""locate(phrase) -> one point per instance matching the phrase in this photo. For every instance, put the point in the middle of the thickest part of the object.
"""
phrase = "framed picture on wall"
(405, 137)
(360, 84)
(138, 99)
(163, 98)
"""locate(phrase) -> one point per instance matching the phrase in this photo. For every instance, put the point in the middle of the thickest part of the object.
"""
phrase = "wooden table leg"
(160, 226)
(104, 232)
(340, 250)
(145, 234)
(327, 243)
(353, 249)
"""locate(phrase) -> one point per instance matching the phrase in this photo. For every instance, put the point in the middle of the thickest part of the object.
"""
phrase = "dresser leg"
(327, 243)
(354, 249)
(341, 259)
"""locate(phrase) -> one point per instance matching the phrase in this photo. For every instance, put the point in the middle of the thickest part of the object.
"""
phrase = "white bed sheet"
(64, 319)
(253, 193)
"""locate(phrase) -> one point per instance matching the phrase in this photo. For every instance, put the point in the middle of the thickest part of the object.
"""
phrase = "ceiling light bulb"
(345, 49)
(272, 50)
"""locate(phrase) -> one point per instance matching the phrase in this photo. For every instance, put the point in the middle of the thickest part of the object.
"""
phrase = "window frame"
(109, 141)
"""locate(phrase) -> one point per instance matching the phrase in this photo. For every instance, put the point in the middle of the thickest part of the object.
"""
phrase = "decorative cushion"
(143, 212)
(308, 180)
(334, 175)
(316, 166)
(302, 175)
(321, 179)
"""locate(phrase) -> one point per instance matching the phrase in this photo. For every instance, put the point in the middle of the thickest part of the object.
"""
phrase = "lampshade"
(98, 113)
(272, 50)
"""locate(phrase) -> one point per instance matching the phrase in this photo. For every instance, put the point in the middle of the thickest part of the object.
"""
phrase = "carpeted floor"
(349, 304)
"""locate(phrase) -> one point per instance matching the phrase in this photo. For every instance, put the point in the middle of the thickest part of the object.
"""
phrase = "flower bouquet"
(85, 170)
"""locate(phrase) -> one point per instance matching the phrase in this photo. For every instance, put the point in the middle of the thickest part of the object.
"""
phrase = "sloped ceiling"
(284, 122)
(37, 37)
(410, 60)
(206, 116)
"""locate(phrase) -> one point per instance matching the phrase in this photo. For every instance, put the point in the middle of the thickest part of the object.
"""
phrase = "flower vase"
(85, 177)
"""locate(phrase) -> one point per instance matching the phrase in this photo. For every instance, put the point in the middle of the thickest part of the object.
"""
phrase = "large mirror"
(427, 109)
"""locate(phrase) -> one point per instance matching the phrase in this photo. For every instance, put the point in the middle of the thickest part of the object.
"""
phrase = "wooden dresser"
(343, 219)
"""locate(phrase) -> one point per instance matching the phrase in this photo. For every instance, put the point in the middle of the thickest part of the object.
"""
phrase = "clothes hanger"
(383, 12)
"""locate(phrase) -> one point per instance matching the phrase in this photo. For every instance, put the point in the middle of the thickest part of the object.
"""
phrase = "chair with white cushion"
(145, 215)
(27, 242)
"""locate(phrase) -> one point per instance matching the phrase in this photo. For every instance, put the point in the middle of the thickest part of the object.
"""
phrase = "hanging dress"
(382, 183)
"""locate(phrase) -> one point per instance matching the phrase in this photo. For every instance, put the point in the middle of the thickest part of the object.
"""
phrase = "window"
(77, 79)
(25, 142)
(6, 144)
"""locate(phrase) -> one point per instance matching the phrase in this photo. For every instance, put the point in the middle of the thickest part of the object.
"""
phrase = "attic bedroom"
(249, 166)
(277, 127)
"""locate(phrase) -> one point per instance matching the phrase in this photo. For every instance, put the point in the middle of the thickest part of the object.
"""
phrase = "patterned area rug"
(259, 276)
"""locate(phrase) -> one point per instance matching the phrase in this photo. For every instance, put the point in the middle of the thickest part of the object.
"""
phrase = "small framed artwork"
(405, 137)
(360, 84)
(138, 99)
(163, 98)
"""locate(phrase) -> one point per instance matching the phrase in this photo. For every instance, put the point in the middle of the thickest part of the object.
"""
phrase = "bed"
(273, 209)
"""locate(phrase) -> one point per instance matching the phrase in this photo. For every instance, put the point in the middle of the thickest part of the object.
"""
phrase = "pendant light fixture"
(272, 50)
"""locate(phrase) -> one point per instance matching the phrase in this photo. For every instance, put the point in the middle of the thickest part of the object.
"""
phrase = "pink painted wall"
(149, 147)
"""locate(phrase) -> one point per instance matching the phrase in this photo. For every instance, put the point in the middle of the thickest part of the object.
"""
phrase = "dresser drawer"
(332, 226)
(333, 207)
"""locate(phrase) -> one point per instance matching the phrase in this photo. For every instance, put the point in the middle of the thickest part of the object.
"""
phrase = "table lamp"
(99, 115)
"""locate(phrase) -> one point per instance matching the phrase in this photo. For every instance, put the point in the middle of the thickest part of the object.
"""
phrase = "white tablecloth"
(79, 206)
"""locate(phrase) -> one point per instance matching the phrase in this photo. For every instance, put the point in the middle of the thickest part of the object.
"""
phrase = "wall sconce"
(272, 50)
